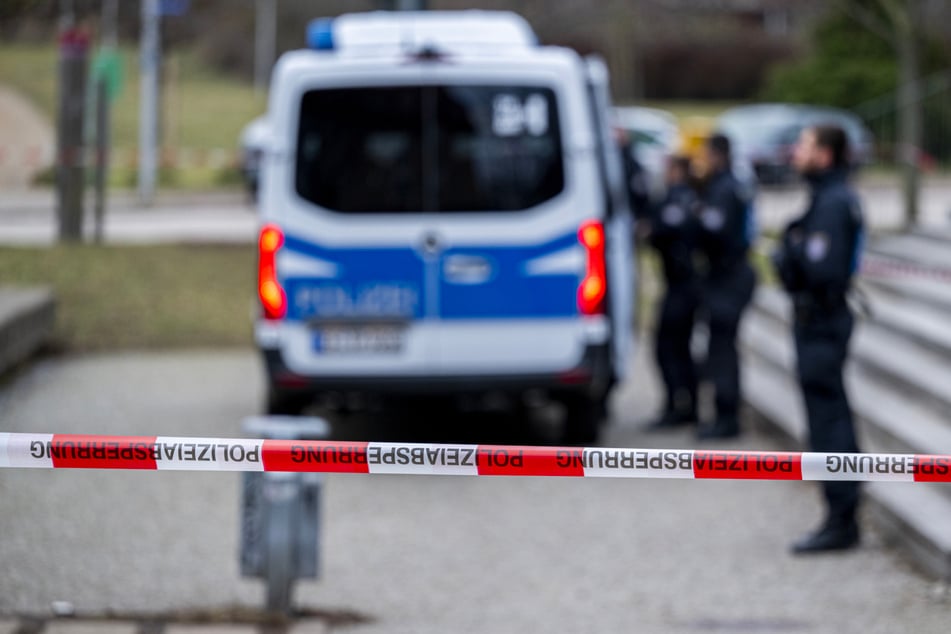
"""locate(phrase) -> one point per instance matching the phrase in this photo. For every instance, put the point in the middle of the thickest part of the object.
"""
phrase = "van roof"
(383, 33)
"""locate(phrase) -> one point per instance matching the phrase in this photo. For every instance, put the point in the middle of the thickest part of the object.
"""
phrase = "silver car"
(763, 135)
(253, 142)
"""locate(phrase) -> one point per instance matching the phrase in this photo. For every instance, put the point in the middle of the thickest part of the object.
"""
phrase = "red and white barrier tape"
(65, 451)
(877, 266)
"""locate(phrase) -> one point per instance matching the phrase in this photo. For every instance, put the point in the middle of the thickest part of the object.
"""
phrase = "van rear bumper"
(592, 375)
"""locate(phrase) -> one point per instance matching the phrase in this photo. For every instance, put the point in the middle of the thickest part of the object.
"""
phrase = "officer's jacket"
(724, 223)
(674, 231)
(635, 177)
(819, 252)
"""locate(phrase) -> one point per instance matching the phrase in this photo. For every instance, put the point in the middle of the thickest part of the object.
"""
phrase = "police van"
(443, 212)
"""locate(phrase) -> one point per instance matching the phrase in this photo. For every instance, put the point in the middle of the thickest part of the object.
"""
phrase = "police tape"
(68, 451)
(878, 266)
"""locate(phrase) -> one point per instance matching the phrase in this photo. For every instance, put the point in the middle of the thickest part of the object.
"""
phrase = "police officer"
(638, 189)
(673, 235)
(727, 281)
(816, 260)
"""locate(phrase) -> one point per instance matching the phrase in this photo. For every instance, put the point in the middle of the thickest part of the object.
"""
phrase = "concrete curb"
(27, 317)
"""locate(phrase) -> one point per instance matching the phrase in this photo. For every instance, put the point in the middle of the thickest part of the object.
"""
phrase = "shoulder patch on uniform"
(817, 246)
(673, 214)
(712, 218)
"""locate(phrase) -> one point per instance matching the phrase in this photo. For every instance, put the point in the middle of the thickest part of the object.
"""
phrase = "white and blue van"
(443, 212)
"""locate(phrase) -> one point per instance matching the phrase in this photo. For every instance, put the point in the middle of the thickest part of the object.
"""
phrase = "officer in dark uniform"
(816, 260)
(727, 281)
(638, 190)
(673, 235)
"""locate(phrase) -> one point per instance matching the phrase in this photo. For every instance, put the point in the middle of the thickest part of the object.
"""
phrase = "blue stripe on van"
(512, 292)
(390, 282)
(372, 283)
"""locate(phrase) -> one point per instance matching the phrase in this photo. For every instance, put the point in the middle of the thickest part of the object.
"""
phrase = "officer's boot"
(722, 427)
(680, 411)
(838, 533)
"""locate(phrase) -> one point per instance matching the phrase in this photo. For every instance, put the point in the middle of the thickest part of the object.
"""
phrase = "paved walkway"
(28, 217)
(26, 140)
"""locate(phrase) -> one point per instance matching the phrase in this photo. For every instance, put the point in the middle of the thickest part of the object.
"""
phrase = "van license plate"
(369, 339)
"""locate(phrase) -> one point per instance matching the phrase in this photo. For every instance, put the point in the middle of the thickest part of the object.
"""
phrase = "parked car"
(763, 135)
(654, 136)
(861, 141)
(253, 143)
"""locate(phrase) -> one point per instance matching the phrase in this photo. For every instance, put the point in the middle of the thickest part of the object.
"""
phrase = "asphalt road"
(422, 554)
(29, 217)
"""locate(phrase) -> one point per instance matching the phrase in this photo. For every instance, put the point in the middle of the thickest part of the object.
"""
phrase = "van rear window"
(429, 148)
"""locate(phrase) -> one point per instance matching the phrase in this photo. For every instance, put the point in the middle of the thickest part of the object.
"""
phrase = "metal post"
(102, 156)
(411, 5)
(281, 492)
(280, 526)
(110, 22)
(265, 37)
(108, 42)
(149, 57)
(70, 178)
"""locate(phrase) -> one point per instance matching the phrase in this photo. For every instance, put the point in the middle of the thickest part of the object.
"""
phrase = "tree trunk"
(910, 111)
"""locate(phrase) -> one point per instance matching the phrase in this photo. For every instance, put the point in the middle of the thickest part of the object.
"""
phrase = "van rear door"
(517, 180)
(432, 214)
(357, 261)
(621, 268)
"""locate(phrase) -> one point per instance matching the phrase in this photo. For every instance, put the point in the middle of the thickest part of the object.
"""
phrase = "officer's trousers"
(822, 340)
(726, 295)
(672, 347)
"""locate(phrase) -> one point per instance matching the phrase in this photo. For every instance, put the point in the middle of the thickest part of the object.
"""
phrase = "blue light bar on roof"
(400, 32)
(320, 34)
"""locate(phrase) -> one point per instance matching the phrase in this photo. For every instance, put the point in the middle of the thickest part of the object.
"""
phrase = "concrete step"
(26, 322)
(890, 419)
(916, 518)
(908, 347)
(919, 374)
(773, 397)
(913, 248)
(941, 234)
(927, 293)
(921, 324)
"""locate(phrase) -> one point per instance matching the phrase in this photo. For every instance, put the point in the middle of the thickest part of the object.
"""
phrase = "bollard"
(280, 515)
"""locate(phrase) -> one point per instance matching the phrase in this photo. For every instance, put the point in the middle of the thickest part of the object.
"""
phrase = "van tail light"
(272, 296)
(593, 288)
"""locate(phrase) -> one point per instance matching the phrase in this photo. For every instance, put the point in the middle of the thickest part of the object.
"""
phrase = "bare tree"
(899, 23)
